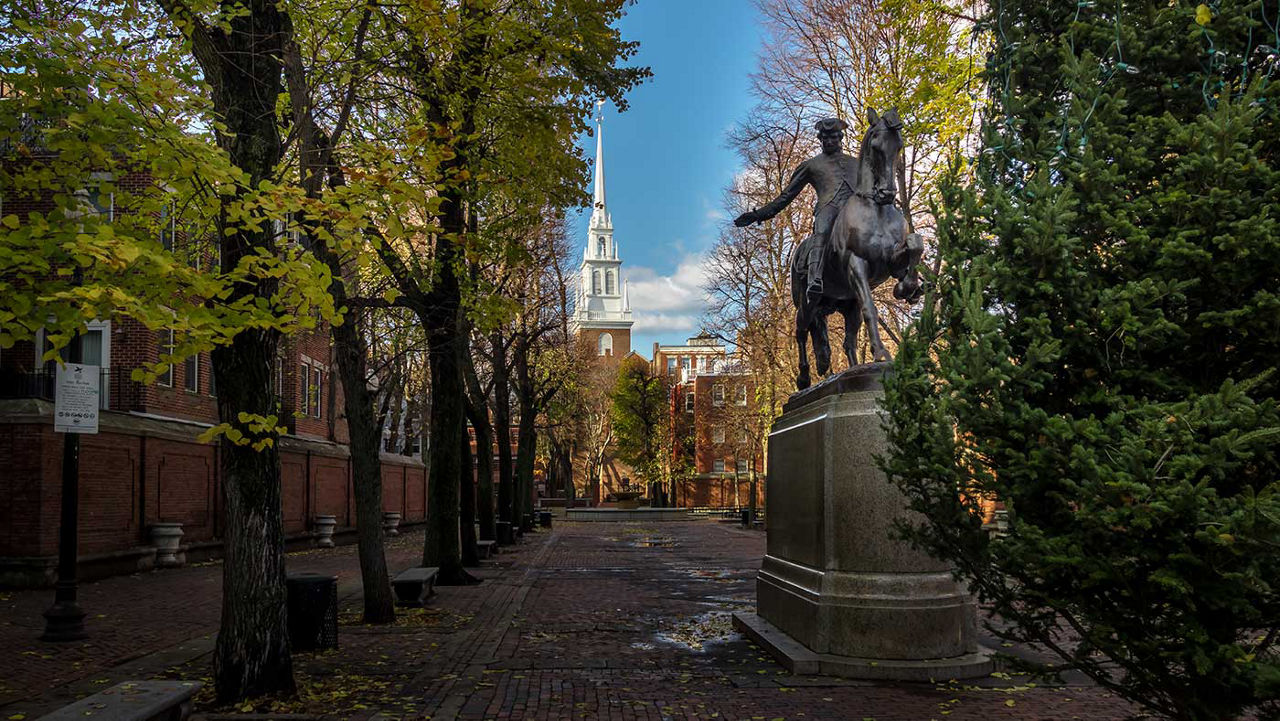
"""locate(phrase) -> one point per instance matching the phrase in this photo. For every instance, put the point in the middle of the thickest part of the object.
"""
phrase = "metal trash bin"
(544, 519)
(313, 611)
(746, 518)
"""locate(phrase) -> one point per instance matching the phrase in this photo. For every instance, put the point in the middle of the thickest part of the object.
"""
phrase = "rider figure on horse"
(833, 175)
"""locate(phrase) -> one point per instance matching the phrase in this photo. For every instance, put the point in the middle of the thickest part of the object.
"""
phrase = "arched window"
(606, 344)
(600, 245)
(608, 283)
(595, 282)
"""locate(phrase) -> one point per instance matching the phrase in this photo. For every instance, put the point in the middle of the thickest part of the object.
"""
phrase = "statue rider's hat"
(827, 125)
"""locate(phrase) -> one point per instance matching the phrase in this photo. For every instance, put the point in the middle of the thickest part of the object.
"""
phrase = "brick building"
(713, 428)
(146, 464)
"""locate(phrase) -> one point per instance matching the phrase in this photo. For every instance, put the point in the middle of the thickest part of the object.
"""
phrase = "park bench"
(414, 585)
(486, 549)
(133, 701)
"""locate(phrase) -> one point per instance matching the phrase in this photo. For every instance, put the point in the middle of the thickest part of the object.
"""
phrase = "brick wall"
(137, 472)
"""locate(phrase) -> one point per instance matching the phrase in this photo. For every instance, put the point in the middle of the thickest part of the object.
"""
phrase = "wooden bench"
(133, 701)
(414, 585)
(486, 549)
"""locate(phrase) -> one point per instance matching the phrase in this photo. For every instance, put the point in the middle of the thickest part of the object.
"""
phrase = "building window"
(688, 402)
(595, 282)
(609, 285)
(317, 382)
(191, 373)
(717, 465)
(717, 434)
(744, 437)
(168, 228)
(304, 398)
(104, 204)
(671, 364)
(606, 344)
(742, 396)
(741, 465)
(166, 347)
(684, 362)
(279, 378)
(717, 394)
(600, 246)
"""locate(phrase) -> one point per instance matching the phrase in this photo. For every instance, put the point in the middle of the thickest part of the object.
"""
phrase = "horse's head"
(880, 149)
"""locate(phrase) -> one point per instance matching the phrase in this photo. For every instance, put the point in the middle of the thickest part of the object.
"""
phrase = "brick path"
(592, 621)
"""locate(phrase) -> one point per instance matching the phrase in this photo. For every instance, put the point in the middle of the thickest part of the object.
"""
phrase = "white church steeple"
(603, 303)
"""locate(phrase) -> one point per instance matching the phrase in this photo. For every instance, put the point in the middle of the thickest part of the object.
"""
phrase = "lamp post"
(64, 620)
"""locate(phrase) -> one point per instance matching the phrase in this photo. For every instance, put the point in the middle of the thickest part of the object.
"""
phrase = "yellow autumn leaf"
(1010, 703)
(1203, 14)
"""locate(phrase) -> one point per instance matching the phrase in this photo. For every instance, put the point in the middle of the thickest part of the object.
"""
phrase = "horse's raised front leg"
(858, 280)
(852, 322)
(802, 332)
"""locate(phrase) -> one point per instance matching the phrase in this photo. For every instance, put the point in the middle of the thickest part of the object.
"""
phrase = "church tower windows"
(602, 301)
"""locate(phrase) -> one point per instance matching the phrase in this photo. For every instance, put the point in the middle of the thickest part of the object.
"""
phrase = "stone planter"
(167, 538)
(324, 526)
(391, 523)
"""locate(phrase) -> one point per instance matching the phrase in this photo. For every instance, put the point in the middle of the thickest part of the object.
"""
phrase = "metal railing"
(44, 385)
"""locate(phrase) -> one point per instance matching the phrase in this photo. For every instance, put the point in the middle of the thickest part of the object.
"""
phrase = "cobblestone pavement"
(129, 617)
(588, 621)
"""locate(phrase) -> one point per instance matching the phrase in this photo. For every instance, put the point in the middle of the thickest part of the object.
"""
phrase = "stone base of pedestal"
(800, 660)
(838, 592)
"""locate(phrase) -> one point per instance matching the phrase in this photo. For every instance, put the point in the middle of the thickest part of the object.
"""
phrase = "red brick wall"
(718, 492)
(128, 482)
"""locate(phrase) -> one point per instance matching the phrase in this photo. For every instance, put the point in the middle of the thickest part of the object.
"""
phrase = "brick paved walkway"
(590, 621)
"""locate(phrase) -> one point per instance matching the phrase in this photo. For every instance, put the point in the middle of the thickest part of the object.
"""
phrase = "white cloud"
(664, 323)
(668, 303)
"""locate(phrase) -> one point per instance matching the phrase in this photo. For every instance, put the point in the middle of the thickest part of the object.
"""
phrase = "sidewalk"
(592, 621)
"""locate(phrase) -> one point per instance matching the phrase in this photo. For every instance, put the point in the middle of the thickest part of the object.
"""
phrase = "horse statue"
(868, 244)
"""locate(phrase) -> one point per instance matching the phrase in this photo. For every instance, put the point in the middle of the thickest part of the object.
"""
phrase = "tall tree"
(641, 413)
(1102, 356)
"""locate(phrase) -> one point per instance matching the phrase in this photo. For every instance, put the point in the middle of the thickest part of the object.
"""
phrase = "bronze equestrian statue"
(859, 240)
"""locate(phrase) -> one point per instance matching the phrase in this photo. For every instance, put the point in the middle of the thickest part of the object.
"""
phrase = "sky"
(666, 161)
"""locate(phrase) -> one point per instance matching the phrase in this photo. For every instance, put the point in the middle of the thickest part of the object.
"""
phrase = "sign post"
(75, 411)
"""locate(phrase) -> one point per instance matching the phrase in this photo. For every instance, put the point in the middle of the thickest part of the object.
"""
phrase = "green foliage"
(641, 418)
(1100, 351)
(108, 140)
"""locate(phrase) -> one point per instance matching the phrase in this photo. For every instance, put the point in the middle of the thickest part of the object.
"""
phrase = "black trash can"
(506, 537)
(313, 611)
(746, 518)
(544, 519)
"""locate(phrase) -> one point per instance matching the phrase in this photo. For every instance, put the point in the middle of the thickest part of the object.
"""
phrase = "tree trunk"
(241, 62)
(366, 466)
(467, 513)
(526, 444)
(502, 427)
(444, 339)
(252, 653)
(478, 414)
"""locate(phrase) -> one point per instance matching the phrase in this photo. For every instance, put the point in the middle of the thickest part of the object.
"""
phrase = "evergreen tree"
(1100, 351)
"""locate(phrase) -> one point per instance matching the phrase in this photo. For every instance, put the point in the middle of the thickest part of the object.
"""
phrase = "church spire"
(599, 211)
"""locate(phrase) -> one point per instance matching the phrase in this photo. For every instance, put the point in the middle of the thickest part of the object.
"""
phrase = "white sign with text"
(75, 407)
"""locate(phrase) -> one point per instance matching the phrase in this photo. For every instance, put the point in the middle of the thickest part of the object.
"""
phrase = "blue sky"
(666, 164)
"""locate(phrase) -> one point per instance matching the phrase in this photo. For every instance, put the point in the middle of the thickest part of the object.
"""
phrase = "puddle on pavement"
(700, 631)
(655, 542)
(721, 575)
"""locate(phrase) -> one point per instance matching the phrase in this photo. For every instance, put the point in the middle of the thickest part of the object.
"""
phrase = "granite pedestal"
(837, 593)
